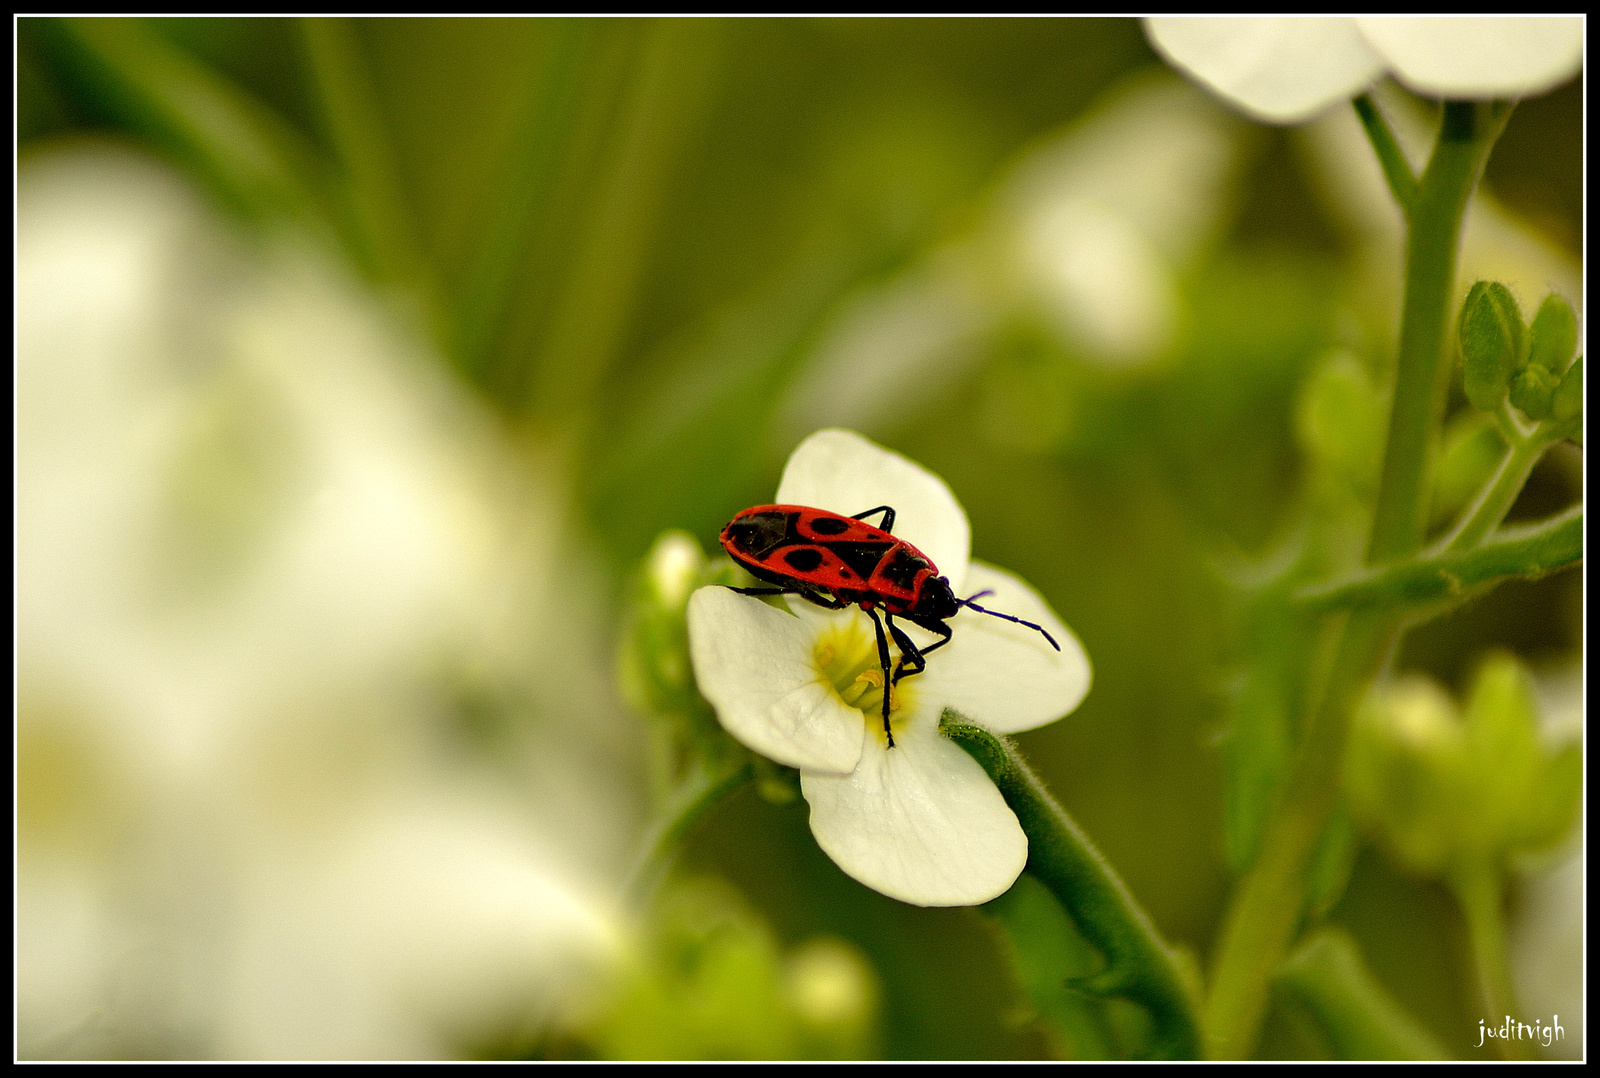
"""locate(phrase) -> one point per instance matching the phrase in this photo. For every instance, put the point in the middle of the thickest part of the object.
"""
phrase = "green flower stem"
(1466, 134)
(1478, 889)
(1327, 976)
(1529, 552)
(1139, 964)
(1396, 169)
(1266, 907)
(1494, 502)
(699, 794)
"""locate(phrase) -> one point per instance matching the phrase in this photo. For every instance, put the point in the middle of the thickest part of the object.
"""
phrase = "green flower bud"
(1533, 391)
(1526, 797)
(1404, 759)
(1554, 335)
(1472, 449)
(1339, 421)
(1568, 400)
(656, 675)
(1491, 337)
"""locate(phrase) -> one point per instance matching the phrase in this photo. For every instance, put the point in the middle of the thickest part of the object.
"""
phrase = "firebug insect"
(837, 561)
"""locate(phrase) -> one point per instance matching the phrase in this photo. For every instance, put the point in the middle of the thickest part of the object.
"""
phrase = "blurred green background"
(659, 253)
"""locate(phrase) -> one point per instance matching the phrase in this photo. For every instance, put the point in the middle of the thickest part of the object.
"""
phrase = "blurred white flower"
(919, 821)
(257, 541)
(1103, 220)
(1286, 69)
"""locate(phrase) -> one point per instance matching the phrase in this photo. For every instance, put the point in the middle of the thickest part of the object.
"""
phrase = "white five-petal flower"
(919, 821)
(1285, 70)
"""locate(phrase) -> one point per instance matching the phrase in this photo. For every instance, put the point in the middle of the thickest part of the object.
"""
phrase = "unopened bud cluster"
(1502, 357)
(1445, 791)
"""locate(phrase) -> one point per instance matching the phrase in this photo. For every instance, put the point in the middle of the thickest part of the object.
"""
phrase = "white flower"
(919, 821)
(1286, 70)
(257, 544)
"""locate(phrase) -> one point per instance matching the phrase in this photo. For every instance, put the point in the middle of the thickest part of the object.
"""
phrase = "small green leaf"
(1360, 1018)
(1044, 950)
(1533, 391)
(1568, 400)
(1553, 336)
(1491, 336)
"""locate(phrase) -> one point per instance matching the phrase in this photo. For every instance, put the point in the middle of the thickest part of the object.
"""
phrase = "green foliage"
(1491, 336)
(1046, 953)
(1138, 964)
(1339, 422)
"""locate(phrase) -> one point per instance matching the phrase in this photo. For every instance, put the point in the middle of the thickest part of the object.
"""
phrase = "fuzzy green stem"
(1396, 169)
(1479, 891)
(1495, 501)
(1266, 908)
(699, 794)
(1528, 552)
(1467, 132)
(1139, 964)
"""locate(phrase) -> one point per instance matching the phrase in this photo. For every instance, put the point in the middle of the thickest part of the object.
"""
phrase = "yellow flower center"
(847, 658)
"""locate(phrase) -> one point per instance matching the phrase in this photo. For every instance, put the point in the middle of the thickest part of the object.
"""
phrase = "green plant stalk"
(1396, 169)
(1266, 907)
(1139, 964)
(1500, 492)
(698, 795)
(1327, 976)
(1477, 888)
(1528, 552)
(1467, 133)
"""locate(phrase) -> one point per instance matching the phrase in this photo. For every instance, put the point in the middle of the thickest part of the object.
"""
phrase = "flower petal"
(920, 822)
(1006, 677)
(1277, 70)
(754, 663)
(842, 472)
(1480, 57)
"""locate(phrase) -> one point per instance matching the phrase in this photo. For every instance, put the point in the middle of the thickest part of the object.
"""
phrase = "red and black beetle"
(837, 561)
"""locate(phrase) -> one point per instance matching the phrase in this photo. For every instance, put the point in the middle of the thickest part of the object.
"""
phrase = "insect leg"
(933, 625)
(887, 523)
(827, 602)
(910, 656)
(883, 660)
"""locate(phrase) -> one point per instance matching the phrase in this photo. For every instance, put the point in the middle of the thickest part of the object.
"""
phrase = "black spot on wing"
(902, 569)
(861, 557)
(803, 559)
(759, 533)
(829, 525)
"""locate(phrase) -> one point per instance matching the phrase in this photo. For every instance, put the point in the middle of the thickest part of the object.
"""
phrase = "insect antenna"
(996, 614)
